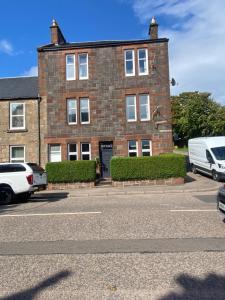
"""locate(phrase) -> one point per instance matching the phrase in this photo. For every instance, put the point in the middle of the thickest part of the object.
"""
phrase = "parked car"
(207, 155)
(221, 199)
(20, 180)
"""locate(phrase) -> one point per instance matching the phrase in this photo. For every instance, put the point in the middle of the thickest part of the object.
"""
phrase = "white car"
(20, 179)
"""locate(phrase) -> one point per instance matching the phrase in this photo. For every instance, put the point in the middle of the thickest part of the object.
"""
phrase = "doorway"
(106, 153)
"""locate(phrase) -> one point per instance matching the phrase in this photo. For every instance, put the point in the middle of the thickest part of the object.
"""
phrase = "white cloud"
(6, 47)
(33, 71)
(197, 46)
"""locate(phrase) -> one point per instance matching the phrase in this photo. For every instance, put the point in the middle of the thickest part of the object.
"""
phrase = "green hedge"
(71, 171)
(154, 167)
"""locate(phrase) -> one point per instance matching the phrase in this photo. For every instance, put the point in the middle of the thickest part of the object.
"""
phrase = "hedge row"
(154, 167)
(71, 171)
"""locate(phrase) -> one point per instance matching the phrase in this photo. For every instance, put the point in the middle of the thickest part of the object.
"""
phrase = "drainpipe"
(39, 132)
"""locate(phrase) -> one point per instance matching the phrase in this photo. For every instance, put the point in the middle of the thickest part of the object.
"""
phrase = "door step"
(106, 182)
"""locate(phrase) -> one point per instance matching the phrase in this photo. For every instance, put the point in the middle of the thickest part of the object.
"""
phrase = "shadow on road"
(40, 198)
(48, 197)
(211, 287)
(29, 294)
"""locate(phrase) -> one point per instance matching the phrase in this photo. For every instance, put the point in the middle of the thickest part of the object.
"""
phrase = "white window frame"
(20, 158)
(71, 153)
(23, 115)
(49, 152)
(147, 150)
(147, 105)
(75, 109)
(125, 62)
(85, 153)
(74, 67)
(139, 59)
(85, 77)
(87, 122)
(135, 108)
(132, 151)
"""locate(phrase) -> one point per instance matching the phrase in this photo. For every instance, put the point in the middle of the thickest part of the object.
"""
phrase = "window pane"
(17, 121)
(72, 148)
(145, 144)
(131, 113)
(70, 72)
(144, 107)
(132, 145)
(144, 112)
(70, 59)
(129, 67)
(129, 55)
(85, 157)
(83, 58)
(85, 147)
(84, 117)
(142, 66)
(142, 53)
(143, 99)
(132, 154)
(70, 67)
(84, 109)
(17, 152)
(55, 148)
(17, 109)
(131, 108)
(72, 157)
(146, 153)
(83, 71)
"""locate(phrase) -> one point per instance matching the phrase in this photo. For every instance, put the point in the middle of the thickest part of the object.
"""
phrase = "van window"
(219, 152)
(12, 168)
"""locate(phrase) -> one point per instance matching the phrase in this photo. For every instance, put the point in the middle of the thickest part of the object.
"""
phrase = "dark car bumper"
(221, 200)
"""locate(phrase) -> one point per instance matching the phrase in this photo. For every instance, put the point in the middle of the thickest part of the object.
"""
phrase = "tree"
(196, 114)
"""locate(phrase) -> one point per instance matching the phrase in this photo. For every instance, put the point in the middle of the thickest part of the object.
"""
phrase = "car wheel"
(215, 176)
(193, 169)
(23, 197)
(6, 195)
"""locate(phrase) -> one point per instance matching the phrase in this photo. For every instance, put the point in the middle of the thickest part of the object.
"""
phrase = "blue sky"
(195, 28)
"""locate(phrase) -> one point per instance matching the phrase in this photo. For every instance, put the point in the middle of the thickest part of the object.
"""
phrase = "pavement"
(193, 183)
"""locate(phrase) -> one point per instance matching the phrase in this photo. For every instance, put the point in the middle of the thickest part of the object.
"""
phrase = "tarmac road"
(142, 246)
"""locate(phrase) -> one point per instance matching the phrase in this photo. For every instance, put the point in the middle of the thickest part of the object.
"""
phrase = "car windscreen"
(219, 152)
(35, 167)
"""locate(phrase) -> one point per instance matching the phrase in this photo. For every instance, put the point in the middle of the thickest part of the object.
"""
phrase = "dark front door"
(106, 153)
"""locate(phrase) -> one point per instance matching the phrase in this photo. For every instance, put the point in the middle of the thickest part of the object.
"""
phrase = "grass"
(181, 150)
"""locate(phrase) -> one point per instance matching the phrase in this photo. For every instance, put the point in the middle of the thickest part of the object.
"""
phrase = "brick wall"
(27, 137)
(106, 89)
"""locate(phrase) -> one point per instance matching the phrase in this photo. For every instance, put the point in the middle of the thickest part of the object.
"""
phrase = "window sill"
(16, 130)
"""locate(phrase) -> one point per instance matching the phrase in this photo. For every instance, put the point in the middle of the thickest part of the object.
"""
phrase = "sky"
(195, 29)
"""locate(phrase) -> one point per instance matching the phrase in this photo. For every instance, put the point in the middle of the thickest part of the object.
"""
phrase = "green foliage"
(196, 114)
(153, 167)
(71, 171)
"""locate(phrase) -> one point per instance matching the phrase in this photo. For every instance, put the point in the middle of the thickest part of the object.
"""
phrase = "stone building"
(19, 121)
(105, 98)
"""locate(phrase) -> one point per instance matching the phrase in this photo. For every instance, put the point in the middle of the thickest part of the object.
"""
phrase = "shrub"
(154, 167)
(71, 171)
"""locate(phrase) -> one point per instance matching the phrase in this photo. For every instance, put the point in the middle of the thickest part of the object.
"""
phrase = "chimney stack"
(153, 29)
(57, 37)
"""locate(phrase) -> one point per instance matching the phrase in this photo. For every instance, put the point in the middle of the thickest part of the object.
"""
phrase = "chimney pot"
(153, 29)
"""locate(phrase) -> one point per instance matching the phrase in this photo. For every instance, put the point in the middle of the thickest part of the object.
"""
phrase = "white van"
(207, 155)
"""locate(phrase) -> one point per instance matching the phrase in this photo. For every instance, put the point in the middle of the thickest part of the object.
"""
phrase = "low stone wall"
(169, 181)
(70, 186)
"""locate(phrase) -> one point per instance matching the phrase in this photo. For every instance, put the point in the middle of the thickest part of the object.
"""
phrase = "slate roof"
(99, 44)
(18, 88)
